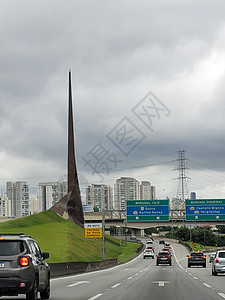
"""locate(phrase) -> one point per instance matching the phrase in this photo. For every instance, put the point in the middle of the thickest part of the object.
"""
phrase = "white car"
(148, 242)
(148, 253)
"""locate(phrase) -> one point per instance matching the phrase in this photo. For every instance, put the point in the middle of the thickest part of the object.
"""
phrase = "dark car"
(164, 257)
(23, 269)
(197, 259)
(161, 242)
(166, 249)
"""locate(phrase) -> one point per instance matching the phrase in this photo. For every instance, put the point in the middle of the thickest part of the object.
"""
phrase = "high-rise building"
(147, 191)
(5, 206)
(193, 196)
(33, 206)
(18, 193)
(48, 193)
(125, 188)
(100, 196)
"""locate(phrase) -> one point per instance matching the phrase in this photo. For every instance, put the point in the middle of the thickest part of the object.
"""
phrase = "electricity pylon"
(182, 190)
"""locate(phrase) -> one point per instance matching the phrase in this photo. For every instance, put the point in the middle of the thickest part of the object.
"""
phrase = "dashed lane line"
(95, 297)
(77, 283)
(115, 285)
(221, 295)
(207, 285)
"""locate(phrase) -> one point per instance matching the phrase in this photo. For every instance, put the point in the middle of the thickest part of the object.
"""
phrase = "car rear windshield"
(222, 254)
(164, 253)
(8, 248)
(197, 254)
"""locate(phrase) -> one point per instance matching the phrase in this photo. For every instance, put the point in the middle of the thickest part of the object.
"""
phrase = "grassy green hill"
(65, 241)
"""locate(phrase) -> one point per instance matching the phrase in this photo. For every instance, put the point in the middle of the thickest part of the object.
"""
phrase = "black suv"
(23, 269)
(164, 257)
(197, 259)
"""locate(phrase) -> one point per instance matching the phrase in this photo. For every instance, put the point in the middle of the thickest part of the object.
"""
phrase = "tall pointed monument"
(70, 206)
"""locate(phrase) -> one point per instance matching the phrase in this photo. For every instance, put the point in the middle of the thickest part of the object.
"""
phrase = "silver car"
(218, 264)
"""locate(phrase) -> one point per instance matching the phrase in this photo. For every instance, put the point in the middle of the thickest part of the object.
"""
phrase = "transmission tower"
(182, 190)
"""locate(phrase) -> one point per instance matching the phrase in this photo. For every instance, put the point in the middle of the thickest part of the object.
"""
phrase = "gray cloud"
(118, 52)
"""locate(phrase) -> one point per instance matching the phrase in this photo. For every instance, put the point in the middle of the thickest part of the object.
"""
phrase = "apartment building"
(18, 194)
(100, 196)
(125, 188)
(5, 207)
(48, 193)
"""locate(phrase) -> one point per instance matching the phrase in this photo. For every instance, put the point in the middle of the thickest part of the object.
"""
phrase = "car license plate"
(2, 265)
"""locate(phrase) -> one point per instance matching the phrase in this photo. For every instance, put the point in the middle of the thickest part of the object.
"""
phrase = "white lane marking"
(222, 295)
(176, 258)
(95, 297)
(130, 277)
(207, 285)
(99, 271)
(77, 283)
(136, 274)
(115, 285)
(195, 277)
(161, 283)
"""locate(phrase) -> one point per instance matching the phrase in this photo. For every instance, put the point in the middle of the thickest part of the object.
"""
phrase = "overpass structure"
(118, 218)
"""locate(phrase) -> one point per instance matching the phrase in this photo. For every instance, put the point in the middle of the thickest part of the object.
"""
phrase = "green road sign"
(147, 210)
(205, 210)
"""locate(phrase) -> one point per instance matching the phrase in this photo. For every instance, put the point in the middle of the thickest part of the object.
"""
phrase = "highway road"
(141, 279)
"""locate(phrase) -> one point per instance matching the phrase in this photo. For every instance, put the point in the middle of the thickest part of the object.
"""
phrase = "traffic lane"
(85, 286)
(198, 273)
(205, 276)
(160, 282)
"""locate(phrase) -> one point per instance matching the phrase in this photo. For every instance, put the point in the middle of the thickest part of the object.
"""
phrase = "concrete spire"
(70, 206)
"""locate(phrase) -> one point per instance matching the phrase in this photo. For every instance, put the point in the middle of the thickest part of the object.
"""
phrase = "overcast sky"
(148, 80)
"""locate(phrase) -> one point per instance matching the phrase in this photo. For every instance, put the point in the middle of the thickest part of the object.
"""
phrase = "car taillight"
(169, 255)
(217, 260)
(203, 256)
(158, 255)
(190, 257)
(24, 261)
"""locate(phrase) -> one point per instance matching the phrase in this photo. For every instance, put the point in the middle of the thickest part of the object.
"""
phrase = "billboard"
(205, 210)
(147, 210)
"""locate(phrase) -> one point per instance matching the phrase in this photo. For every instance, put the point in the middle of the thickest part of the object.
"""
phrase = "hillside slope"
(65, 240)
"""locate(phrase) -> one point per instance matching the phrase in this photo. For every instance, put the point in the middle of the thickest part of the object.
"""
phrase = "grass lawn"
(65, 240)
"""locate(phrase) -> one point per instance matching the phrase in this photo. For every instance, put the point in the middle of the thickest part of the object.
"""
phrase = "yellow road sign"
(93, 230)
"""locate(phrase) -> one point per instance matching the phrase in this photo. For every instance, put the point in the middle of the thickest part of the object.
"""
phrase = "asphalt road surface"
(141, 279)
